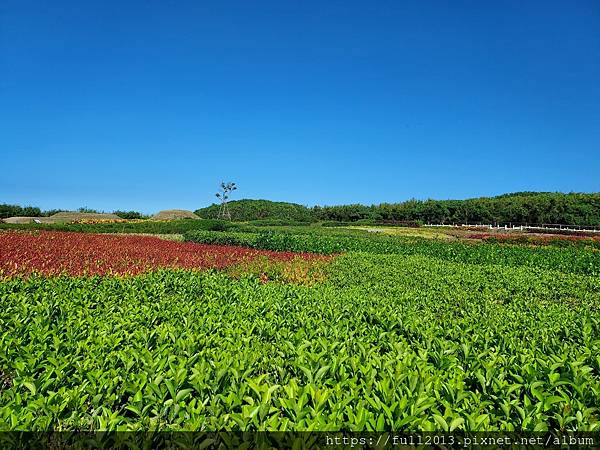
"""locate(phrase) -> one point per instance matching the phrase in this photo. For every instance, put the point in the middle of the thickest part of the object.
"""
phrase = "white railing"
(521, 227)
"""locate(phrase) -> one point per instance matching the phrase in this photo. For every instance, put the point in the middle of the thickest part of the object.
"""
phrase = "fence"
(524, 226)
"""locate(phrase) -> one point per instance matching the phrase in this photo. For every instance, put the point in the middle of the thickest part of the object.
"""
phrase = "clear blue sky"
(149, 105)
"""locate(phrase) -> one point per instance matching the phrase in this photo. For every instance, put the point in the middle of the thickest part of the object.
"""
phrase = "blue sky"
(149, 105)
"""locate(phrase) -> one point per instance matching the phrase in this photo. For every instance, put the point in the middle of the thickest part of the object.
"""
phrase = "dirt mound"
(20, 219)
(63, 217)
(172, 214)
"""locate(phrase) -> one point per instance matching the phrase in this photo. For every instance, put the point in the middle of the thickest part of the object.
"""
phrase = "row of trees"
(517, 208)
(525, 207)
(7, 210)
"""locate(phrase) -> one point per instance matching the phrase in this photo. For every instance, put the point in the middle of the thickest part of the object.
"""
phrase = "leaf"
(182, 394)
(30, 386)
(320, 373)
(442, 424)
(134, 409)
(456, 423)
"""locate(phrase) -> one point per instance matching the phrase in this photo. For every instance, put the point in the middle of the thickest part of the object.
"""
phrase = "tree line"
(517, 208)
(7, 210)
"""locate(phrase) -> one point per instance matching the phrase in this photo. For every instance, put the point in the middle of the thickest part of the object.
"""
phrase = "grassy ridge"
(389, 342)
(144, 226)
(163, 226)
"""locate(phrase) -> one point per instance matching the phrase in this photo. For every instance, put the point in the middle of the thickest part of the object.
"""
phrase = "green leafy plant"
(383, 342)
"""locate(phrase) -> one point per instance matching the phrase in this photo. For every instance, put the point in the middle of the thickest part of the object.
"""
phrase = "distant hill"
(23, 219)
(73, 216)
(243, 210)
(173, 214)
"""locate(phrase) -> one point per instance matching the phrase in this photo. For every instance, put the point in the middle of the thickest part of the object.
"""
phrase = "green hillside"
(243, 210)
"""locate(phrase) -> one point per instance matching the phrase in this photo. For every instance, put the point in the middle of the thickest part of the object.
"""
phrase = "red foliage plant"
(55, 253)
(529, 238)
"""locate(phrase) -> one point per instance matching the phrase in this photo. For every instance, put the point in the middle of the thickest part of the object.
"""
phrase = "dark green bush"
(217, 238)
(130, 215)
(278, 223)
(215, 225)
(16, 210)
(336, 223)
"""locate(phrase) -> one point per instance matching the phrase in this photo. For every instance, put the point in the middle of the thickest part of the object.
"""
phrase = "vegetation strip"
(568, 259)
(55, 253)
(517, 208)
(388, 342)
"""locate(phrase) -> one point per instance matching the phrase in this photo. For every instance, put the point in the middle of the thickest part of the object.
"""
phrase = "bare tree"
(223, 196)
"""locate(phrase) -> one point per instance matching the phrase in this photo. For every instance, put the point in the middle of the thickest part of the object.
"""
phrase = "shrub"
(130, 215)
(278, 223)
(217, 238)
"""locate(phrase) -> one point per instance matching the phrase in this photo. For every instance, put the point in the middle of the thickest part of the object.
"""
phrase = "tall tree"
(223, 196)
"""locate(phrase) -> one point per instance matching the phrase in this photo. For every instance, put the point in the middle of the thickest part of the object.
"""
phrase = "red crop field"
(55, 253)
(531, 238)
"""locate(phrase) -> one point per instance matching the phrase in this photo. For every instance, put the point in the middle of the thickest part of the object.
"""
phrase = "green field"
(403, 334)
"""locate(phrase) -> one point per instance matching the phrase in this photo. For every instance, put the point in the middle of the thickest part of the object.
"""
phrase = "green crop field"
(302, 225)
(400, 334)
